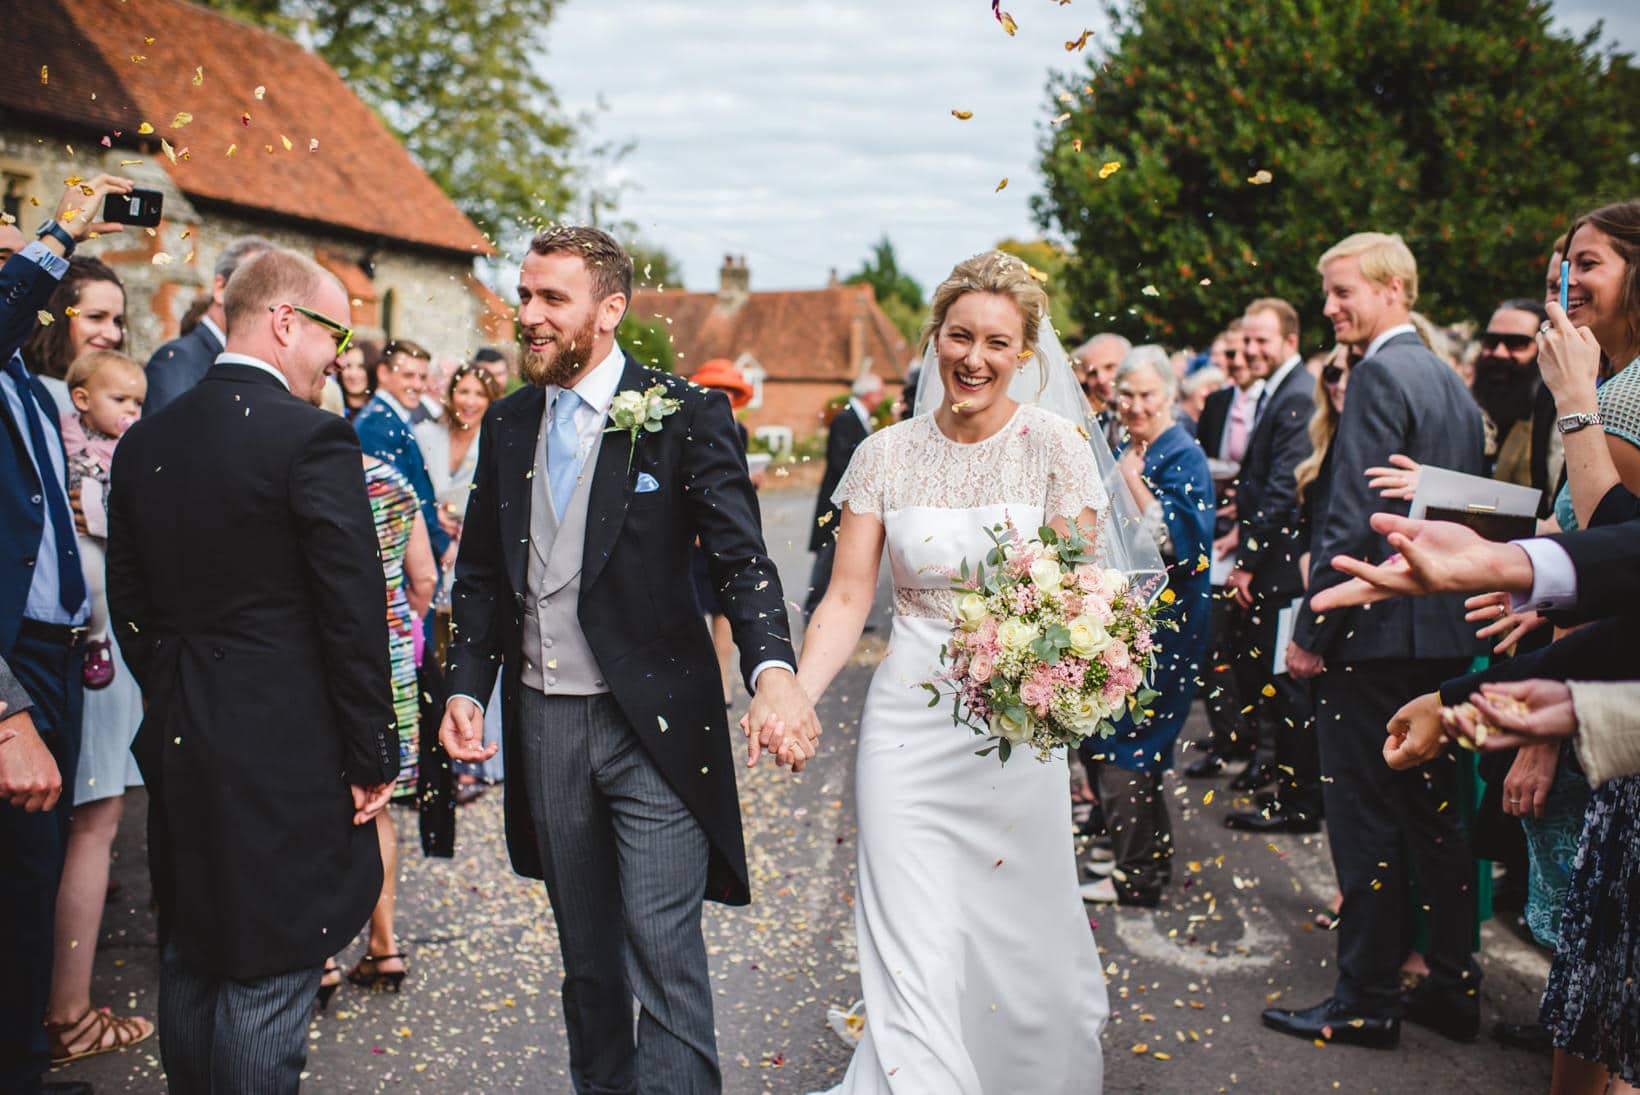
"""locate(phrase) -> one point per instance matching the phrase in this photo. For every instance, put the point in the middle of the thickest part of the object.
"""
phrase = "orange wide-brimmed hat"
(720, 373)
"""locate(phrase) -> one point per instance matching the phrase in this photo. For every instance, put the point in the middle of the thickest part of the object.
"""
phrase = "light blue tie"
(563, 450)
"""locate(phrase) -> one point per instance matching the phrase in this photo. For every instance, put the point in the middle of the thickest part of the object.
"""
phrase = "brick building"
(799, 348)
(244, 131)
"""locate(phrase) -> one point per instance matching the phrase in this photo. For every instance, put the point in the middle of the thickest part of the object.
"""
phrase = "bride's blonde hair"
(990, 272)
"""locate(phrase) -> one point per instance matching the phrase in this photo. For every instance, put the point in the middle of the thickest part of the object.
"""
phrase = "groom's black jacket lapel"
(637, 608)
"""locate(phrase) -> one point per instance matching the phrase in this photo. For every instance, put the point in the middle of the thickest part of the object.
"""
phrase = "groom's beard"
(555, 368)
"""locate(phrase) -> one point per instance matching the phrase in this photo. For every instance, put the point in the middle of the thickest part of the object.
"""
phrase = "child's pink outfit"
(90, 455)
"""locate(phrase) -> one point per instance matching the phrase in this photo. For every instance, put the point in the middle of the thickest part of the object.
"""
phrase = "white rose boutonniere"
(639, 413)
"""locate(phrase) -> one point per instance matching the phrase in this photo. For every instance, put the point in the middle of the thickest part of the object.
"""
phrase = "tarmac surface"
(480, 1008)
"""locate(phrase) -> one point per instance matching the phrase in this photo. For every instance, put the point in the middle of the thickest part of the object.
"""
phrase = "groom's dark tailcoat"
(637, 605)
(246, 589)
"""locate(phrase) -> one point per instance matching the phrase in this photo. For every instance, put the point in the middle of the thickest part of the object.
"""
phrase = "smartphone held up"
(139, 207)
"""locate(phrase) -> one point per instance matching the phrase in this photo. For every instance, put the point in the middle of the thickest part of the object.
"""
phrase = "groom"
(573, 575)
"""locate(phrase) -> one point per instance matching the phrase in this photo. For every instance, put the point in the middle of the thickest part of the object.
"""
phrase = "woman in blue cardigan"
(1167, 473)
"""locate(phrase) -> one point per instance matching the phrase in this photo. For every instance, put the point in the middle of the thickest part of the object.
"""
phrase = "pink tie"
(1235, 441)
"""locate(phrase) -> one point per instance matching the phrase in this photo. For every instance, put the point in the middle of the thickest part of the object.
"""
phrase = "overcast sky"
(798, 132)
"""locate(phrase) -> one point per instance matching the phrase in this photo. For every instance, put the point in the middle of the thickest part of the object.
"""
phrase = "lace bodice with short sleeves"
(936, 496)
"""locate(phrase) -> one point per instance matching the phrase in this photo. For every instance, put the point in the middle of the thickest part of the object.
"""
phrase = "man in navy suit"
(384, 427)
(43, 609)
(183, 362)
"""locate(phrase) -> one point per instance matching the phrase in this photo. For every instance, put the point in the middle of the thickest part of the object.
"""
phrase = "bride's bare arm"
(836, 626)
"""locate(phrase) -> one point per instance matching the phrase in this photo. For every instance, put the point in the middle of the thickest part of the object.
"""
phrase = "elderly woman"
(1167, 473)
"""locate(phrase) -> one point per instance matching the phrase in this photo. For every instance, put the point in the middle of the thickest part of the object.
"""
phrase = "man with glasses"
(245, 586)
(384, 427)
(183, 362)
(1513, 397)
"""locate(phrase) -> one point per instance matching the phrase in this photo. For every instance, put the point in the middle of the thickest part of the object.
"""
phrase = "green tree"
(1048, 259)
(460, 84)
(898, 294)
(648, 341)
(1250, 137)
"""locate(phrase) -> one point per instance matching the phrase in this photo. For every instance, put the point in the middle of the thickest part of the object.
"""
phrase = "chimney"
(734, 283)
(832, 282)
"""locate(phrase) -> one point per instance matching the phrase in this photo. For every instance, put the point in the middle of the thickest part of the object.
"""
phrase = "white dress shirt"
(225, 358)
(1378, 343)
(395, 406)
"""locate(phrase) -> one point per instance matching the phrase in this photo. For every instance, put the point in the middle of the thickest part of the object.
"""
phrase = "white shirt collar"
(860, 409)
(597, 388)
(225, 358)
(393, 405)
(216, 332)
(1280, 374)
(1378, 343)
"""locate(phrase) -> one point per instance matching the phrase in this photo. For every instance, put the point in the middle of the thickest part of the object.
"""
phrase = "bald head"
(1095, 363)
(267, 301)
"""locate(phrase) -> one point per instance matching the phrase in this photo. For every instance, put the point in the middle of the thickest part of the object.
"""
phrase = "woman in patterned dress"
(410, 577)
(1592, 1004)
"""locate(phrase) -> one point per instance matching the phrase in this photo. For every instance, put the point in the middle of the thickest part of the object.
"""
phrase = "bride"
(978, 963)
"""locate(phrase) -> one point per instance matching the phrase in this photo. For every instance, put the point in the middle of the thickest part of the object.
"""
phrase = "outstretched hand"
(1433, 557)
(1416, 735)
(1519, 713)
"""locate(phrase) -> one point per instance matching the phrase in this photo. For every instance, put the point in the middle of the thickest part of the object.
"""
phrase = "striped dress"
(393, 505)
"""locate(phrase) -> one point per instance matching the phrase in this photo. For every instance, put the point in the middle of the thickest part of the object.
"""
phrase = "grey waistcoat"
(557, 660)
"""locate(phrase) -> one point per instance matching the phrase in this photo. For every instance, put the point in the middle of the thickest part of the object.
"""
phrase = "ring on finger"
(1543, 328)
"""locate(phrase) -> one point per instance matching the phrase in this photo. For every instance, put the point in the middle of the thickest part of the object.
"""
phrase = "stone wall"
(165, 269)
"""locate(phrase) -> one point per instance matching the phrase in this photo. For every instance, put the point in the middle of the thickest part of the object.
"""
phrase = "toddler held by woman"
(108, 389)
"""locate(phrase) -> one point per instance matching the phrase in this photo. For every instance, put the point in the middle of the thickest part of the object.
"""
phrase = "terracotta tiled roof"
(808, 334)
(359, 177)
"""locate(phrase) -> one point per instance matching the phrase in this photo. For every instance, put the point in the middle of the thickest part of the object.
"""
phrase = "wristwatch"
(52, 228)
(1571, 423)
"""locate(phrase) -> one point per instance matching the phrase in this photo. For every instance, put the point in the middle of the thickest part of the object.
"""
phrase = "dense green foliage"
(1466, 125)
(898, 294)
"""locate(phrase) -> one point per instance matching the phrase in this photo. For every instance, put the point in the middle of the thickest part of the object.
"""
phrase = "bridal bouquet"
(1047, 647)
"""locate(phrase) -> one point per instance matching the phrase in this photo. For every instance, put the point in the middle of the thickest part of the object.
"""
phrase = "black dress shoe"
(65, 1087)
(1333, 1021)
(1247, 822)
(1254, 776)
(1456, 1015)
(1206, 766)
(1534, 1037)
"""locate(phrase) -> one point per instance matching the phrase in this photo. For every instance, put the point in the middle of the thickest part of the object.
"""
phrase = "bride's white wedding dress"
(976, 955)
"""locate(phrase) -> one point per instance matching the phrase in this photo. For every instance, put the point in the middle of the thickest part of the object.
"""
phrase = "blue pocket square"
(646, 483)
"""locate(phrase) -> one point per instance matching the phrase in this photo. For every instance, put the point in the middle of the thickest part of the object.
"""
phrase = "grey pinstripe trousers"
(223, 1037)
(625, 866)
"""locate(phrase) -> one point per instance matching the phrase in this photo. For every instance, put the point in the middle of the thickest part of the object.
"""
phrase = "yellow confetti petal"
(182, 119)
(1109, 169)
(1261, 178)
(1076, 145)
(1076, 44)
(1207, 800)
(232, 149)
(46, 318)
(128, 163)
(137, 58)
(1141, 1047)
(165, 147)
(162, 259)
(1168, 596)
(1008, 23)
(1268, 691)
(962, 115)
(199, 75)
(70, 311)
(44, 74)
(1001, 184)
(145, 128)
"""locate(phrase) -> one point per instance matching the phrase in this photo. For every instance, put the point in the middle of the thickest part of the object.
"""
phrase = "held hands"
(82, 203)
(1434, 557)
(369, 801)
(1569, 358)
(462, 732)
(781, 721)
(29, 779)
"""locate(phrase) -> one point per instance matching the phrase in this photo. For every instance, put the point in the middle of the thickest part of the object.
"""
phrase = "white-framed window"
(777, 438)
(755, 375)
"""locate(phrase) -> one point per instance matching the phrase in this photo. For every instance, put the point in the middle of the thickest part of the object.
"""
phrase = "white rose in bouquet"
(1088, 636)
(971, 611)
(1115, 581)
(1015, 635)
(1046, 576)
(1013, 731)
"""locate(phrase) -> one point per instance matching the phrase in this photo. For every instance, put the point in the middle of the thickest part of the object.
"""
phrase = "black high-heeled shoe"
(328, 988)
(385, 980)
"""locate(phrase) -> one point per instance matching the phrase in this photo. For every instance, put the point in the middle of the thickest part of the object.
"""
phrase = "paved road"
(1187, 980)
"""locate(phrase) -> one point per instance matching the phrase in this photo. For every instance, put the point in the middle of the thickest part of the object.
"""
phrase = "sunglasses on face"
(1332, 374)
(1491, 340)
(341, 332)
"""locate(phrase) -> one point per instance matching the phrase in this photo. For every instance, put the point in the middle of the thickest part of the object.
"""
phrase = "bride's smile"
(978, 347)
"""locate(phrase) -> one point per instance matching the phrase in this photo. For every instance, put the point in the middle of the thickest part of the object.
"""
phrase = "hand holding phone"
(138, 206)
(79, 204)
